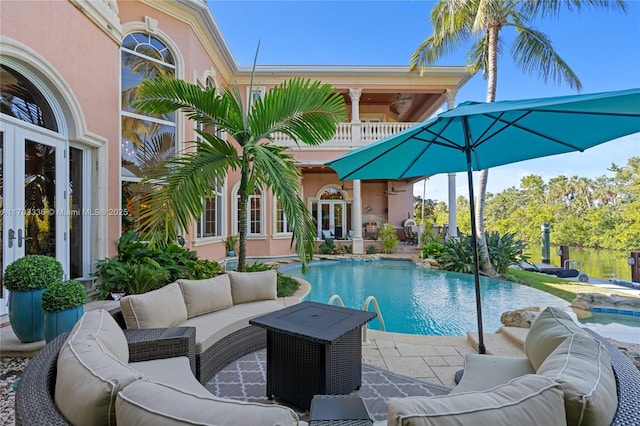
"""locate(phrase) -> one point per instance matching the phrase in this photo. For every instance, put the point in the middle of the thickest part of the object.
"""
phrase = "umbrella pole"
(474, 249)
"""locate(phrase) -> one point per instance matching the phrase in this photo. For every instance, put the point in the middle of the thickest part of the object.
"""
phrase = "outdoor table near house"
(313, 349)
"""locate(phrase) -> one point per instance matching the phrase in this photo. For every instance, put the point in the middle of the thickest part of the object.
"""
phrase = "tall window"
(147, 139)
(254, 213)
(210, 224)
(282, 224)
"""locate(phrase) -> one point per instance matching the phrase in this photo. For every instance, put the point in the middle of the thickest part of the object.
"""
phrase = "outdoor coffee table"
(313, 349)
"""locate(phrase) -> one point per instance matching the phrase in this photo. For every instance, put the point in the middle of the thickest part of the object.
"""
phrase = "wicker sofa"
(218, 308)
(570, 376)
(101, 374)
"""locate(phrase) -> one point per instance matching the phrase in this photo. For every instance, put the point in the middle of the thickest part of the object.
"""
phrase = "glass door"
(34, 207)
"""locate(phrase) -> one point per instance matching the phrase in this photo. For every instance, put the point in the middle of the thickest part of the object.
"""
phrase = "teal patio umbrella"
(478, 135)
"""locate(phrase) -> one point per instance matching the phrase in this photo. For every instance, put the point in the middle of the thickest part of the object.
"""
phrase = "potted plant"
(63, 304)
(230, 244)
(26, 280)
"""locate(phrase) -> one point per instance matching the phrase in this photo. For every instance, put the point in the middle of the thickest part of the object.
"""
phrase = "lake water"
(604, 264)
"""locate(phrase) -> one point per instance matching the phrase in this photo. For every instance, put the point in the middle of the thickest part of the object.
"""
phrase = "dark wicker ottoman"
(313, 349)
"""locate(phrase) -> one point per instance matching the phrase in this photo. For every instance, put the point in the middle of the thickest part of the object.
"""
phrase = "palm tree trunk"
(242, 213)
(492, 85)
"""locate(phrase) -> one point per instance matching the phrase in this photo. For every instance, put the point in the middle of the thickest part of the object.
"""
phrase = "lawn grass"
(564, 289)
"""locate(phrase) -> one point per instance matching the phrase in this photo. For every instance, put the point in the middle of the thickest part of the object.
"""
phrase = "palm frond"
(178, 189)
(545, 8)
(533, 51)
(303, 110)
(277, 170)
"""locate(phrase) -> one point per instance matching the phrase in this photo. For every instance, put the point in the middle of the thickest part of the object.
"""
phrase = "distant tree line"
(599, 213)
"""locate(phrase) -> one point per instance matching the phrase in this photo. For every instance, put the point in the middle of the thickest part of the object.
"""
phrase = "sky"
(601, 46)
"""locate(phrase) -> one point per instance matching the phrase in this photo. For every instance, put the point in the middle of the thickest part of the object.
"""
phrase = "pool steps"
(508, 341)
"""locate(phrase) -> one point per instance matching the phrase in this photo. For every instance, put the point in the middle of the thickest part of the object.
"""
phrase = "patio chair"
(410, 236)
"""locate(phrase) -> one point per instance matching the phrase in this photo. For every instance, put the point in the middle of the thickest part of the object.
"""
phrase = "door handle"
(12, 236)
(20, 238)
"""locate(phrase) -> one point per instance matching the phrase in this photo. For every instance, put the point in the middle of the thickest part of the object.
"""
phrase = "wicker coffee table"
(313, 349)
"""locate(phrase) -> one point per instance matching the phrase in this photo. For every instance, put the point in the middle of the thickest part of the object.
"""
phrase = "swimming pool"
(618, 326)
(417, 300)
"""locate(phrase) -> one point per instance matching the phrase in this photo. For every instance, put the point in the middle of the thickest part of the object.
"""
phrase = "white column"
(453, 223)
(356, 218)
(355, 94)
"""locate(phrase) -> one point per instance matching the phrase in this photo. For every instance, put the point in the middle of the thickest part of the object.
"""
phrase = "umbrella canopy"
(478, 135)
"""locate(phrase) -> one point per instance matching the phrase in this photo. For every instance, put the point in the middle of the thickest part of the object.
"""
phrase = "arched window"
(20, 99)
(147, 139)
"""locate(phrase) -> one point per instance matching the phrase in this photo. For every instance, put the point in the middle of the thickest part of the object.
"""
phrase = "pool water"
(625, 328)
(417, 300)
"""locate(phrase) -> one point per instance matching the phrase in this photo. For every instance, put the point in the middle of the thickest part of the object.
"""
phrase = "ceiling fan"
(394, 191)
(344, 188)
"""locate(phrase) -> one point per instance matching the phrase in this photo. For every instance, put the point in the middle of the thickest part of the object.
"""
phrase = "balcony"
(353, 135)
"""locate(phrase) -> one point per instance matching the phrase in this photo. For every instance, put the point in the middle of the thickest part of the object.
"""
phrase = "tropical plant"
(505, 250)
(457, 256)
(389, 238)
(372, 249)
(32, 272)
(204, 268)
(230, 242)
(347, 248)
(305, 111)
(480, 22)
(327, 247)
(144, 277)
(114, 272)
(433, 249)
(63, 295)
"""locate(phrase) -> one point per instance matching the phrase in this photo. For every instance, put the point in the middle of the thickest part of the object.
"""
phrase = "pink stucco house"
(70, 141)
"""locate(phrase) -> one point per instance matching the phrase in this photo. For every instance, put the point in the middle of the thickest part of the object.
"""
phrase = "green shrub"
(204, 268)
(114, 274)
(347, 248)
(389, 238)
(457, 256)
(433, 249)
(32, 272)
(505, 250)
(143, 277)
(62, 295)
(371, 249)
(328, 247)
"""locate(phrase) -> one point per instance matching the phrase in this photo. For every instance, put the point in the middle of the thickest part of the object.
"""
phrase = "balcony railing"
(354, 134)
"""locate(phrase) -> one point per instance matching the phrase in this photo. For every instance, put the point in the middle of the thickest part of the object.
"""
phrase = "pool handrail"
(369, 300)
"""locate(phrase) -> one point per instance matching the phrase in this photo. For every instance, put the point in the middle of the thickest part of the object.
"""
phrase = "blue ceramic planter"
(26, 315)
(61, 321)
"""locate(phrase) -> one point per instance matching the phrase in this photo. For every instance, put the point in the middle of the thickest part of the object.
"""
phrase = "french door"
(33, 191)
(332, 218)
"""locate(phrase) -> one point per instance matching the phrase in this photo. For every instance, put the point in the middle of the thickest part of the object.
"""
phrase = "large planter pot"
(61, 321)
(26, 315)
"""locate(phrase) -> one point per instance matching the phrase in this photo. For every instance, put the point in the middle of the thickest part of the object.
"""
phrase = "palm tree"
(479, 22)
(305, 111)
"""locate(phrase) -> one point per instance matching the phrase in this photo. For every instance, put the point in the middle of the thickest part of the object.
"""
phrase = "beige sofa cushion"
(89, 374)
(214, 326)
(204, 296)
(582, 365)
(149, 403)
(159, 308)
(528, 400)
(252, 286)
(547, 332)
